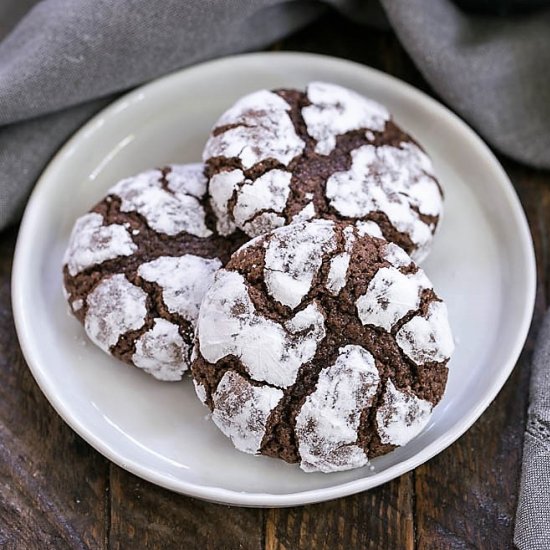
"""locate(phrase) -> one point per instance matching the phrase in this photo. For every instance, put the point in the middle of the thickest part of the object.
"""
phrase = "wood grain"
(145, 516)
(381, 518)
(57, 492)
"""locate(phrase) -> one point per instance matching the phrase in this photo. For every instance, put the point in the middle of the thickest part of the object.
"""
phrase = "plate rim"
(233, 497)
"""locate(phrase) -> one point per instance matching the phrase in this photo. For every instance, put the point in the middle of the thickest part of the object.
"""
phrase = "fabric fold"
(66, 52)
(492, 70)
(532, 530)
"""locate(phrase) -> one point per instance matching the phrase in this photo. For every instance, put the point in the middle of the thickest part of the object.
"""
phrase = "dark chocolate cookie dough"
(138, 264)
(322, 345)
(279, 157)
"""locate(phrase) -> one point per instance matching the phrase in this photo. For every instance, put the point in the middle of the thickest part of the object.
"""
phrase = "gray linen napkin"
(533, 513)
(64, 55)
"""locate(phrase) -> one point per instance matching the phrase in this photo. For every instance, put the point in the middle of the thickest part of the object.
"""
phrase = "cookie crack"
(163, 179)
(259, 213)
(226, 127)
(367, 433)
(287, 410)
(155, 309)
(426, 219)
(228, 363)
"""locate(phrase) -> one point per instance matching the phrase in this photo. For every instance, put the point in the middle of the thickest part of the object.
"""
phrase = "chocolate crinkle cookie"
(321, 345)
(138, 264)
(278, 157)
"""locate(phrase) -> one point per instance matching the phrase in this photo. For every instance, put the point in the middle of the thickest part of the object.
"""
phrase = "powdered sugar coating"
(336, 279)
(401, 416)
(187, 179)
(368, 228)
(427, 339)
(115, 306)
(327, 425)
(397, 181)
(162, 352)
(390, 296)
(307, 213)
(221, 188)
(229, 324)
(92, 243)
(200, 391)
(165, 211)
(260, 128)
(241, 410)
(293, 257)
(264, 223)
(184, 281)
(396, 256)
(268, 192)
(310, 318)
(257, 204)
(335, 110)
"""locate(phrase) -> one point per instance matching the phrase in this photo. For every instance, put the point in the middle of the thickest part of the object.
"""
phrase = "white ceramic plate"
(482, 265)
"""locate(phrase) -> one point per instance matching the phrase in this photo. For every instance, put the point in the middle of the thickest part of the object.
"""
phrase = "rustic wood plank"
(52, 485)
(146, 516)
(466, 497)
(381, 518)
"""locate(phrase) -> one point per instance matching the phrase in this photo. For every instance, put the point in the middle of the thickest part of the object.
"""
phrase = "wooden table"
(57, 492)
